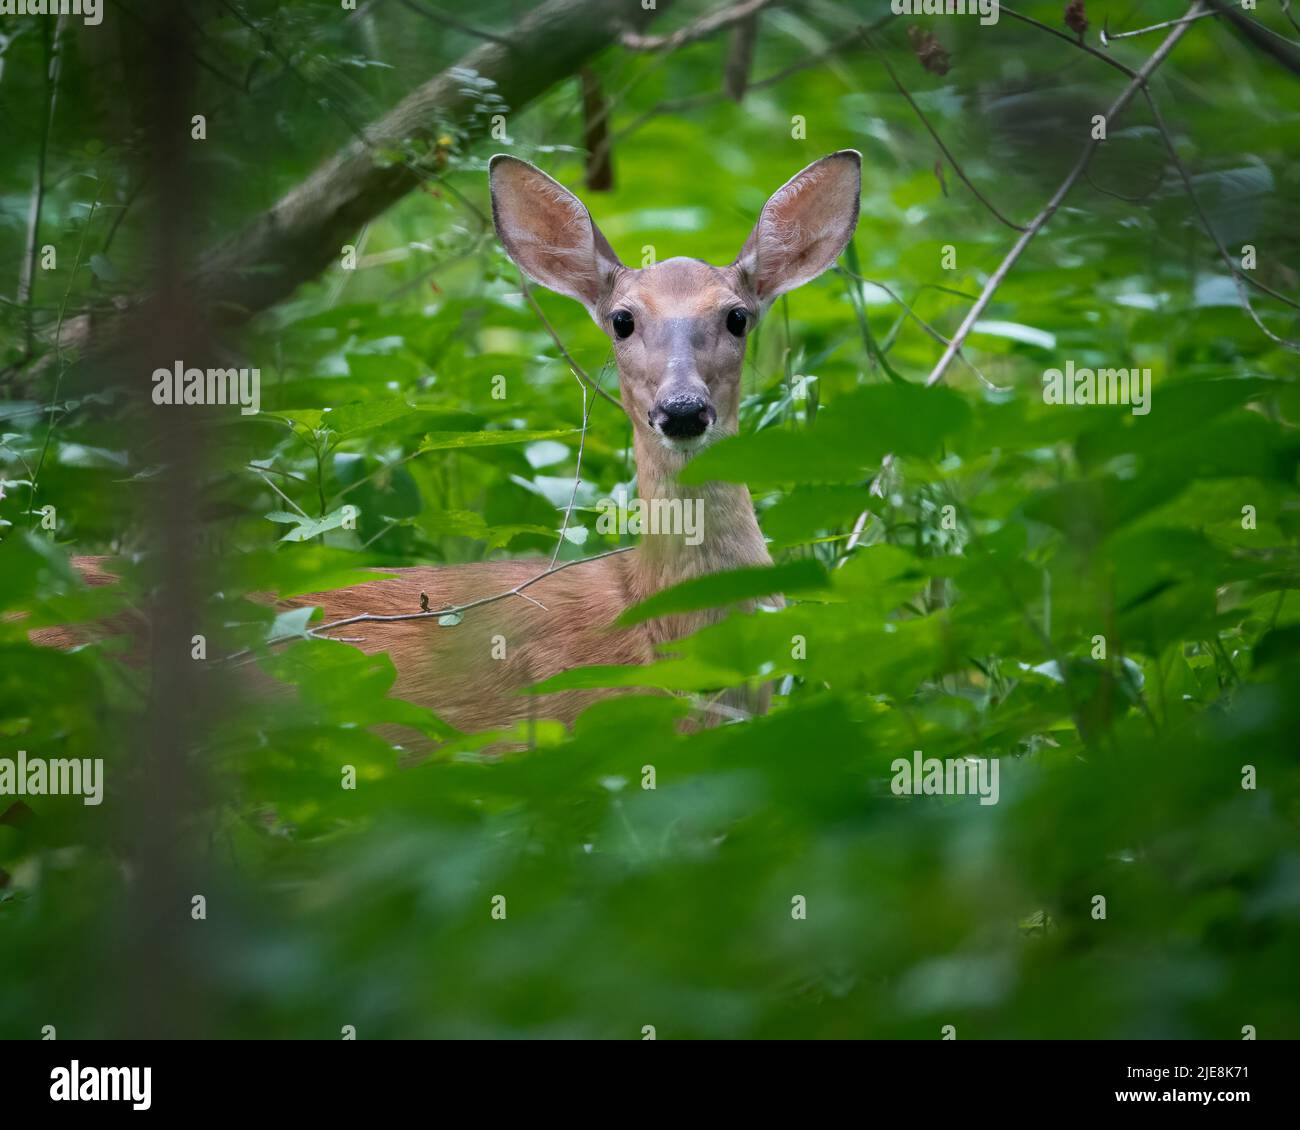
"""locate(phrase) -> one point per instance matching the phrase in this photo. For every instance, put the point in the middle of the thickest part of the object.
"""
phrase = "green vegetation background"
(1121, 773)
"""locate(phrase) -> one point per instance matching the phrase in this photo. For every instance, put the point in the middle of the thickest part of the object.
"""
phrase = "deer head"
(679, 327)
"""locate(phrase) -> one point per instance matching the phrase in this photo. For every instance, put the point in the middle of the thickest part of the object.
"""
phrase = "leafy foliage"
(970, 571)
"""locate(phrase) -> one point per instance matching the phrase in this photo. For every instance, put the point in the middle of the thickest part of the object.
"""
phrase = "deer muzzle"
(684, 415)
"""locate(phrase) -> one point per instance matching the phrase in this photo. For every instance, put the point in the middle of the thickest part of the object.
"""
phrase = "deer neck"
(703, 528)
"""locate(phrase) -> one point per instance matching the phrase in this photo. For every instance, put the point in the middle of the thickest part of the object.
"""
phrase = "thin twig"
(19, 456)
(1236, 272)
(1286, 9)
(1049, 209)
(937, 139)
(1141, 198)
(1260, 35)
(877, 490)
(276, 471)
(1109, 60)
(519, 590)
(281, 493)
(708, 98)
(27, 276)
(342, 278)
(587, 405)
(375, 537)
(359, 131)
(1237, 276)
(58, 354)
(929, 329)
(476, 247)
(122, 210)
(1108, 36)
(454, 610)
(577, 370)
(370, 617)
(380, 470)
(442, 16)
(706, 25)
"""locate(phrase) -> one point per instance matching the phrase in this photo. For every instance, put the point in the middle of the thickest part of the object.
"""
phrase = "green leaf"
(734, 585)
(1014, 331)
(103, 269)
(852, 435)
(442, 441)
(309, 528)
(292, 622)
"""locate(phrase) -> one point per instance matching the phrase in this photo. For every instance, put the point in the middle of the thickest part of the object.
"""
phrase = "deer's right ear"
(548, 232)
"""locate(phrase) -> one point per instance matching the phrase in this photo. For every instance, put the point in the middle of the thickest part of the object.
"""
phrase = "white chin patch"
(686, 446)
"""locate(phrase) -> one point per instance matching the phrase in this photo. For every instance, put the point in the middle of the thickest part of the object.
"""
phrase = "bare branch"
(1138, 199)
(599, 168)
(740, 58)
(1237, 275)
(702, 28)
(587, 406)
(281, 493)
(442, 16)
(577, 370)
(1109, 60)
(908, 312)
(453, 610)
(1284, 50)
(1286, 8)
(1137, 83)
(937, 139)
(300, 235)
(1263, 37)
(708, 98)
(1108, 36)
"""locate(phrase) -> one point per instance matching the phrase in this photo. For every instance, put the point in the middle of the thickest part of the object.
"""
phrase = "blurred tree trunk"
(157, 956)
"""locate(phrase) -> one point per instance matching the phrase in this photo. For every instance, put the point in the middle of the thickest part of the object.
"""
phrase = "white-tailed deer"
(679, 330)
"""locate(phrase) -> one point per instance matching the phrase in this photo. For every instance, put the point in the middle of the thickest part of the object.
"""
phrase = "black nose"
(683, 417)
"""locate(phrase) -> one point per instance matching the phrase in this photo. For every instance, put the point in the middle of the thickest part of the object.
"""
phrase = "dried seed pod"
(1076, 19)
(929, 51)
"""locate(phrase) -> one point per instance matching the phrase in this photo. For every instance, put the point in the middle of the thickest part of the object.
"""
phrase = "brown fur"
(681, 347)
(131, 624)
(452, 670)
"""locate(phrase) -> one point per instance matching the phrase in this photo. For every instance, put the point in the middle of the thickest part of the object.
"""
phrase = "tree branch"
(1138, 82)
(1108, 36)
(577, 370)
(702, 28)
(1265, 38)
(1240, 278)
(442, 16)
(433, 613)
(1109, 60)
(1236, 275)
(300, 236)
(939, 140)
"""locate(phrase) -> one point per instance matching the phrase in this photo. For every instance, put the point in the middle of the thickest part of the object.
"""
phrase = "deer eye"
(737, 320)
(623, 323)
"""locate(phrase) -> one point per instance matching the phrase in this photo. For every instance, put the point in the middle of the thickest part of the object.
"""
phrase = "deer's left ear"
(804, 226)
